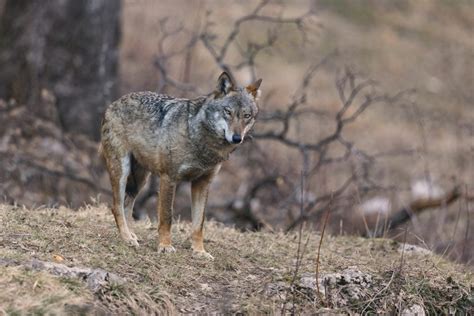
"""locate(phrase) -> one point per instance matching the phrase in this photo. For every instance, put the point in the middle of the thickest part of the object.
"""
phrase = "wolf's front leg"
(165, 213)
(199, 192)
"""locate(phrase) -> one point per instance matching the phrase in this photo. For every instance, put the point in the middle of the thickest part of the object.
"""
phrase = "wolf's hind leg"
(135, 182)
(119, 169)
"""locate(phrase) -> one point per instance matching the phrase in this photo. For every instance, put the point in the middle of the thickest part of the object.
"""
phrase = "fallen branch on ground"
(418, 206)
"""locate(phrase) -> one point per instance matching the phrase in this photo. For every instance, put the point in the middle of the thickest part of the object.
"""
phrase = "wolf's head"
(231, 110)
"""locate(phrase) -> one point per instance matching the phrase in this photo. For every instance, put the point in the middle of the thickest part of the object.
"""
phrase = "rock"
(414, 310)
(94, 278)
(423, 189)
(350, 284)
(412, 249)
(378, 205)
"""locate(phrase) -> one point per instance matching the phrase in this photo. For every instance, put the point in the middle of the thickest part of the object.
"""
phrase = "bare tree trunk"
(67, 47)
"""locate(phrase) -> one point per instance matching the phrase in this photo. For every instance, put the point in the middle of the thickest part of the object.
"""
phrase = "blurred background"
(366, 116)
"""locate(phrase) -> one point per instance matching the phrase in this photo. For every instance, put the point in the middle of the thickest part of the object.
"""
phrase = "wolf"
(177, 140)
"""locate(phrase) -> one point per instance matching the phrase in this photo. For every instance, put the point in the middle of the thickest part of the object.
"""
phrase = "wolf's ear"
(225, 83)
(253, 88)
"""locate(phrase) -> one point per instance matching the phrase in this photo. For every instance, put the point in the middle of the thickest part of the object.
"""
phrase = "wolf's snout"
(236, 138)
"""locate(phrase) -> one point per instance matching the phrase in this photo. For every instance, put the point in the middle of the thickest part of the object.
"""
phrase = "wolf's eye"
(228, 112)
(247, 116)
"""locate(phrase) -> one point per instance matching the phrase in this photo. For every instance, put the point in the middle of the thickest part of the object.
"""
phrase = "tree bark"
(66, 47)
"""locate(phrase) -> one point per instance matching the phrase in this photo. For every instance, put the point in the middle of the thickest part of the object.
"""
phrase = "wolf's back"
(147, 108)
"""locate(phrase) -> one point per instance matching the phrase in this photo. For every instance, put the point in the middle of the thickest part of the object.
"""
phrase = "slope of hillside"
(59, 260)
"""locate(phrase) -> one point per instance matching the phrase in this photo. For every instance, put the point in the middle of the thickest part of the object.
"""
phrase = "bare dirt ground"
(57, 260)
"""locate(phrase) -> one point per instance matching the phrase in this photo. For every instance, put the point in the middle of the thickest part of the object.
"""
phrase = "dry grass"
(251, 272)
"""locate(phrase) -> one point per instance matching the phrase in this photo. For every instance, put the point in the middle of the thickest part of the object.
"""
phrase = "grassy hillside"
(59, 260)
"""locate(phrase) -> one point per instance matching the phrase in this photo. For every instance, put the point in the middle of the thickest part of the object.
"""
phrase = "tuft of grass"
(252, 272)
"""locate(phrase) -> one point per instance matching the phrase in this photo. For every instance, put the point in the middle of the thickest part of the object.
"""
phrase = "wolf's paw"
(131, 240)
(166, 249)
(203, 254)
(134, 236)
